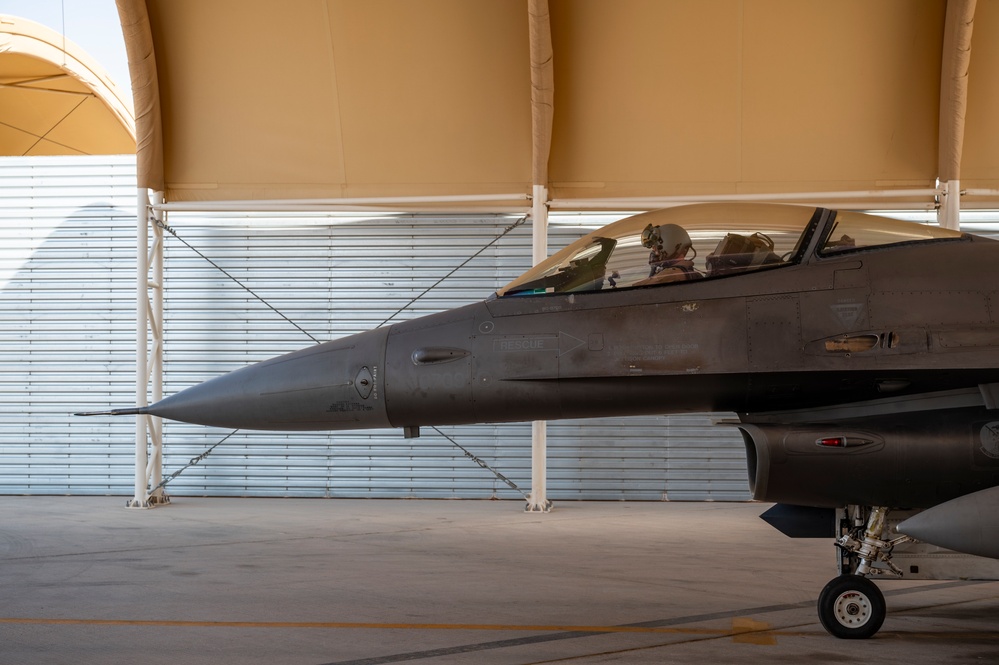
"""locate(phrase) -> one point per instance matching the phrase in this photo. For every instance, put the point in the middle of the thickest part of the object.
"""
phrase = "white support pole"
(863, 199)
(393, 203)
(538, 501)
(155, 290)
(949, 212)
(141, 345)
(148, 362)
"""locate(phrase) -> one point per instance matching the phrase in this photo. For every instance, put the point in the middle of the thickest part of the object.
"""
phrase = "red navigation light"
(832, 442)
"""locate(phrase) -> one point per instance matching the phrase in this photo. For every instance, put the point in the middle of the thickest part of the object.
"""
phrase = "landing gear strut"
(852, 606)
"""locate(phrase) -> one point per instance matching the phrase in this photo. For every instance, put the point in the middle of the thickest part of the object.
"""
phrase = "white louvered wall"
(67, 323)
(67, 273)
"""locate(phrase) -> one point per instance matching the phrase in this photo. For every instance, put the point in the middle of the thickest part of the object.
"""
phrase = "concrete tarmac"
(316, 582)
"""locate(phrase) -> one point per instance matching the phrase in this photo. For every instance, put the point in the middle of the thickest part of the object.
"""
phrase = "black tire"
(852, 607)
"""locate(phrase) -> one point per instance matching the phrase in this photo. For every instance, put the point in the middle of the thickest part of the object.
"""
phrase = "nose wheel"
(852, 607)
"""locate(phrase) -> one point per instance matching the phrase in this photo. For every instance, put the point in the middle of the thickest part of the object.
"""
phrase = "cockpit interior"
(710, 241)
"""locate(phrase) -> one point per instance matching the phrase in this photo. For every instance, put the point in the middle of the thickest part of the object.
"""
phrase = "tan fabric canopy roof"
(55, 101)
(334, 99)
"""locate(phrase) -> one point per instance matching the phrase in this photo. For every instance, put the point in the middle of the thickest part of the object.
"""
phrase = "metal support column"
(538, 501)
(949, 212)
(149, 353)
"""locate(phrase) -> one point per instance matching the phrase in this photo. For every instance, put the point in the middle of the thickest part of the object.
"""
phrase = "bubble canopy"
(706, 241)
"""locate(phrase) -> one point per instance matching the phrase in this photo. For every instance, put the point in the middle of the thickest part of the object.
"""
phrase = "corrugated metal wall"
(67, 323)
(67, 275)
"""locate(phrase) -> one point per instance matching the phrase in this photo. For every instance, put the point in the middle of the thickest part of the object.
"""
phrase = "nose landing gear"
(851, 606)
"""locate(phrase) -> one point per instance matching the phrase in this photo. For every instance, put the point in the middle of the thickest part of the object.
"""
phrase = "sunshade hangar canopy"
(349, 100)
(55, 99)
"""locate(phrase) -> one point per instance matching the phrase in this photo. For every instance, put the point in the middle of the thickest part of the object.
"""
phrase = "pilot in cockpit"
(668, 260)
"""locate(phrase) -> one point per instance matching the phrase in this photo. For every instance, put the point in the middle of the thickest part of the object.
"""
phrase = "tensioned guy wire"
(227, 274)
(485, 466)
(456, 269)
(464, 450)
(194, 460)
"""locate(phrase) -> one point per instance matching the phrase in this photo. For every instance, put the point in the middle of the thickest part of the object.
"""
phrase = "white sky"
(92, 24)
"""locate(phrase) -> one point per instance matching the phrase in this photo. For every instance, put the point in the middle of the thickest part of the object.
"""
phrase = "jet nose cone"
(330, 386)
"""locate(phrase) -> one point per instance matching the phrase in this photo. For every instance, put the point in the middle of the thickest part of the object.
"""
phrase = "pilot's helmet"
(670, 240)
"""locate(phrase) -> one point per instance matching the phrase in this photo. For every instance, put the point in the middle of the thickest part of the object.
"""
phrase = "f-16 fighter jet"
(860, 354)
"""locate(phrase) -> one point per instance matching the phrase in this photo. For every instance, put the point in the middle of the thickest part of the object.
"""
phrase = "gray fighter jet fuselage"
(850, 327)
(861, 355)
